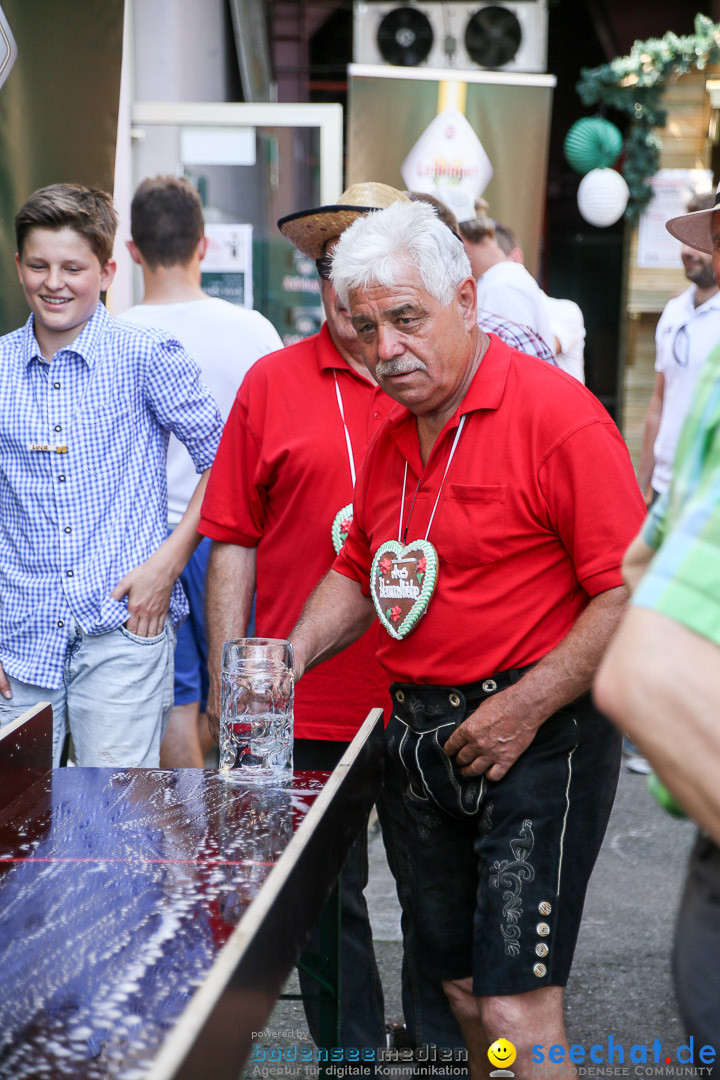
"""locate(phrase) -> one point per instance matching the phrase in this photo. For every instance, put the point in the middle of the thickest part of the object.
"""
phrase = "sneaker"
(638, 764)
(634, 761)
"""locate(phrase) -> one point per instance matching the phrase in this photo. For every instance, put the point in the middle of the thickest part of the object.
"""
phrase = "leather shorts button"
(489, 685)
(539, 970)
(399, 696)
(454, 700)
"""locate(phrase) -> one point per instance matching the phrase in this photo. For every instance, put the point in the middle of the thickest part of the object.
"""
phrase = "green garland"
(635, 85)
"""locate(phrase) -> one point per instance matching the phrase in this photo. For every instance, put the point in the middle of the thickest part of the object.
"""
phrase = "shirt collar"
(709, 305)
(84, 345)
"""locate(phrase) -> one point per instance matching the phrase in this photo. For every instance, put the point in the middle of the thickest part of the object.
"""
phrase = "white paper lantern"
(602, 197)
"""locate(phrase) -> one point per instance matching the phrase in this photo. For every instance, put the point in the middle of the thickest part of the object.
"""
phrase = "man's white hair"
(379, 249)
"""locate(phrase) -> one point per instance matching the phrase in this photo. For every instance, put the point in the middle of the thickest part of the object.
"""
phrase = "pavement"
(620, 985)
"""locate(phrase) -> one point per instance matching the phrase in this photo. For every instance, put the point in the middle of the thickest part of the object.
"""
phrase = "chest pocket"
(471, 524)
(106, 436)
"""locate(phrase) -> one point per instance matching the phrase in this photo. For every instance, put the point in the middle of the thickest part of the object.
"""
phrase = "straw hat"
(694, 229)
(310, 230)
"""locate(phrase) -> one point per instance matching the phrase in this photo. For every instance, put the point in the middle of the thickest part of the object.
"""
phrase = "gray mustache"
(399, 366)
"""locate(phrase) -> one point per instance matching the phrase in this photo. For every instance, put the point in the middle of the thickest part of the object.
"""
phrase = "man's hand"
(492, 738)
(148, 589)
(4, 684)
(497, 733)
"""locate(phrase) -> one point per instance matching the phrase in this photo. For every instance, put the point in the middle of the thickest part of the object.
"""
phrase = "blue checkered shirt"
(73, 523)
(516, 335)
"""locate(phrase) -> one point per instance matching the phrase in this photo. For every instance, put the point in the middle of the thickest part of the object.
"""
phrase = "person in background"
(89, 593)
(687, 331)
(504, 286)
(566, 318)
(168, 244)
(518, 337)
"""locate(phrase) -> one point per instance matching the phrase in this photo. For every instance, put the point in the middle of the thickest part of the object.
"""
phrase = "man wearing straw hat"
(660, 680)
(278, 508)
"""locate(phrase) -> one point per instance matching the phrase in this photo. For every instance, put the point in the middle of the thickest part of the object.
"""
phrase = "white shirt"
(684, 338)
(508, 289)
(225, 340)
(568, 326)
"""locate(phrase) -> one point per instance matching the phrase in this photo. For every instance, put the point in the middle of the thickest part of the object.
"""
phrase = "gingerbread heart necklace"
(403, 575)
(343, 519)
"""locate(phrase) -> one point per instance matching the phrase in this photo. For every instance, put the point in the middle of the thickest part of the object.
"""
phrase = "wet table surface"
(118, 891)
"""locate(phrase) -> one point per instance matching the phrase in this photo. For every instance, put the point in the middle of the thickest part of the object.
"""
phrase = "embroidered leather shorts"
(492, 875)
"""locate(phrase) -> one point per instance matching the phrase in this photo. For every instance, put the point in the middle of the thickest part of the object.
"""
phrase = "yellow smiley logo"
(502, 1053)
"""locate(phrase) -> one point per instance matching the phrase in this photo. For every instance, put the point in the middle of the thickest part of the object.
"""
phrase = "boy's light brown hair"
(506, 238)
(477, 229)
(88, 211)
(166, 221)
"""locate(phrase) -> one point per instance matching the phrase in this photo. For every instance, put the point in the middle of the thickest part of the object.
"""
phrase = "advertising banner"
(392, 114)
(59, 91)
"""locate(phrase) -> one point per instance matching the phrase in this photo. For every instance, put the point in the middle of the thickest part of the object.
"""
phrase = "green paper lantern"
(592, 143)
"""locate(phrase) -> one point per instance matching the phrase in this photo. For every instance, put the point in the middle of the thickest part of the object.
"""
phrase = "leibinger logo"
(638, 1060)
(8, 48)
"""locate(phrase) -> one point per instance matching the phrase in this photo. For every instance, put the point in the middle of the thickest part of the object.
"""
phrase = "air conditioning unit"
(463, 34)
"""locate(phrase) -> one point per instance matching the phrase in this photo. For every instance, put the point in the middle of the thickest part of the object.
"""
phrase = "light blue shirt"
(73, 523)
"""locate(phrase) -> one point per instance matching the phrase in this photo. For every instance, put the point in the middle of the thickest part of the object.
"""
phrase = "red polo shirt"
(537, 510)
(280, 476)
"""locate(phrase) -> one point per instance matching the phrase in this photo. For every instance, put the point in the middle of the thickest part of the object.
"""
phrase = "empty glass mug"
(256, 711)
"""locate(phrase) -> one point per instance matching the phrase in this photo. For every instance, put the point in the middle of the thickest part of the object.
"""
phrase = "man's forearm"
(568, 670)
(335, 615)
(229, 592)
(184, 538)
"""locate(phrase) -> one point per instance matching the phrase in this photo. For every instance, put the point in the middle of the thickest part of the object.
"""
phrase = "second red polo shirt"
(280, 476)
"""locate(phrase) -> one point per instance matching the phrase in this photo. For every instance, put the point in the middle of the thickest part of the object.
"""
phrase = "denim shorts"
(496, 871)
(191, 676)
(115, 697)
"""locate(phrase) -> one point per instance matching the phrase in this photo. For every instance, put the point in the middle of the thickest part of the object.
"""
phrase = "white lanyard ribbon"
(456, 440)
(351, 458)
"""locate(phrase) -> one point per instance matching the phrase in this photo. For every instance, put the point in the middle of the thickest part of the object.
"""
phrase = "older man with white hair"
(491, 514)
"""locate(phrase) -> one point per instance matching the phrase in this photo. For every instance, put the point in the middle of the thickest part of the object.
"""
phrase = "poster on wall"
(672, 188)
(449, 162)
(227, 266)
(505, 128)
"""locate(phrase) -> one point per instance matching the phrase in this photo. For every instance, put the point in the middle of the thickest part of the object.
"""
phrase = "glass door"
(251, 164)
